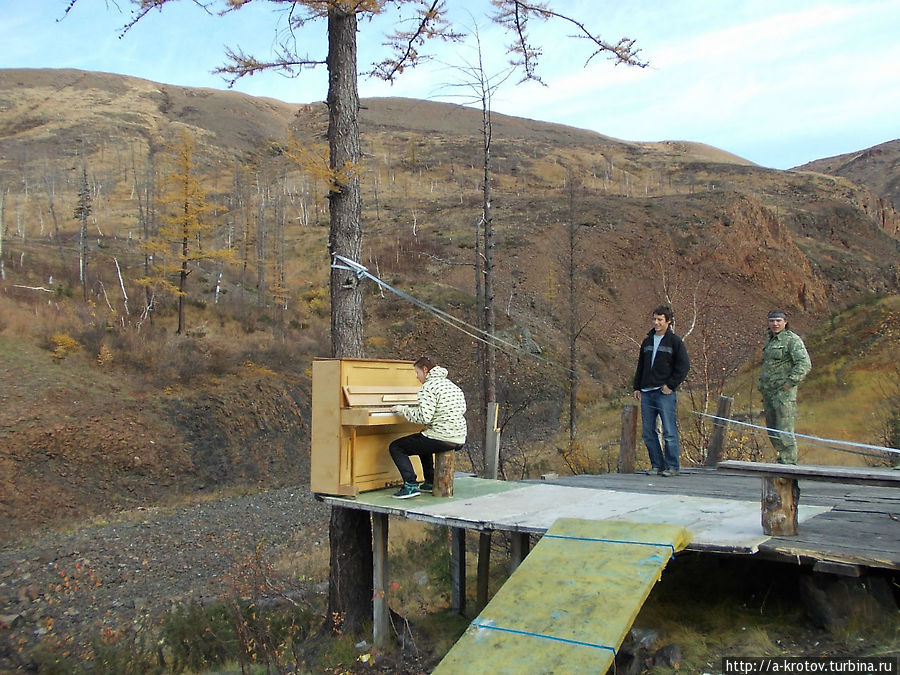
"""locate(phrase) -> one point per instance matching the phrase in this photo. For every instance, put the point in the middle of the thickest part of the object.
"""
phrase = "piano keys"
(353, 424)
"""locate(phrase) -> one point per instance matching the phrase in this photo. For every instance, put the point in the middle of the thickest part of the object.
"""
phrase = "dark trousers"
(416, 444)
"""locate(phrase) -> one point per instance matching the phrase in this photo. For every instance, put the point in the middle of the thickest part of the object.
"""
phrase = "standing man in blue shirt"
(662, 366)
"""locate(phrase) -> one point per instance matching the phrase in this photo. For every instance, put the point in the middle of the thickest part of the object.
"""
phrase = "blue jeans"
(656, 404)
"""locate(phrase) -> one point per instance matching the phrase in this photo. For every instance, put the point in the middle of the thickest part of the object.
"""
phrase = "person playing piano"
(441, 408)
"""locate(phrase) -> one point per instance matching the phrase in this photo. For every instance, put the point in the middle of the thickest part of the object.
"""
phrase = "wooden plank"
(844, 474)
(571, 602)
(871, 540)
(840, 569)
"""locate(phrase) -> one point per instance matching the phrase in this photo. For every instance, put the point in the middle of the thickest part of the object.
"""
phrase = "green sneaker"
(427, 486)
(406, 491)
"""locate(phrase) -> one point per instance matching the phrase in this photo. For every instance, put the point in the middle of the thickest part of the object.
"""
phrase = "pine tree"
(82, 211)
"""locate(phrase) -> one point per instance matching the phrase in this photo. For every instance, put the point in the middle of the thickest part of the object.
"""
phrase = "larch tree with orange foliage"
(182, 241)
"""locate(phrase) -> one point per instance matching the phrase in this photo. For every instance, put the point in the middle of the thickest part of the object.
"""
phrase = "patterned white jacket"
(441, 409)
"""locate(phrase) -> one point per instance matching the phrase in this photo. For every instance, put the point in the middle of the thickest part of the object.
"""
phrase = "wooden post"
(381, 620)
(716, 447)
(779, 506)
(491, 441)
(458, 570)
(484, 568)
(443, 474)
(628, 439)
(519, 544)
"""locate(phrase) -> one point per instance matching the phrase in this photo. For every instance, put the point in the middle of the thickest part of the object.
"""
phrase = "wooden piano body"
(352, 424)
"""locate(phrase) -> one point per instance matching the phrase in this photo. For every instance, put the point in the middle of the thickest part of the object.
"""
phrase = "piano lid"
(356, 396)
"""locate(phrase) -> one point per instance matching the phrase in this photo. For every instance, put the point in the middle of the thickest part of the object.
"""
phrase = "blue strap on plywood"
(570, 604)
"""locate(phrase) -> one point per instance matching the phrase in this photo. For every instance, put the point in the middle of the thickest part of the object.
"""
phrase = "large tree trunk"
(350, 531)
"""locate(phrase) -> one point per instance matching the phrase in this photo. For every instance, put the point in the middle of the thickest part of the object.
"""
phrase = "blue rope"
(544, 637)
(615, 541)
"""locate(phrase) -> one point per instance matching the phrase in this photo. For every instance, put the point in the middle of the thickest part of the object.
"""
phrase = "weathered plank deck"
(843, 524)
(780, 487)
(860, 526)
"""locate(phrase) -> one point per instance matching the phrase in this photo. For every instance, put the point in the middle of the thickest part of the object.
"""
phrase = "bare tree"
(262, 236)
(3, 194)
(50, 183)
(575, 326)
(350, 595)
(145, 192)
(481, 87)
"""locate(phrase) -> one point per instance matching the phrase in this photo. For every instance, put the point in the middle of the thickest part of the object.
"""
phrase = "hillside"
(226, 404)
(877, 168)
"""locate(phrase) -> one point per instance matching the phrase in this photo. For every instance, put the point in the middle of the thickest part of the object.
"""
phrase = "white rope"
(829, 442)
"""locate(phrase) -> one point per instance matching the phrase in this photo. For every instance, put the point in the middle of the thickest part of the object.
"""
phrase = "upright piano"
(353, 425)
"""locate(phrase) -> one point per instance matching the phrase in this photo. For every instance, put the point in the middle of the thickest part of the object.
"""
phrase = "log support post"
(780, 497)
(716, 448)
(628, 440)
(458, 570)
(381, 621)
(443, 474)
(484, 568)
(520, 543)
(492, 441)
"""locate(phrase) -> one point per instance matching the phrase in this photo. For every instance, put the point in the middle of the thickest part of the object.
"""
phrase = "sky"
(777, 82)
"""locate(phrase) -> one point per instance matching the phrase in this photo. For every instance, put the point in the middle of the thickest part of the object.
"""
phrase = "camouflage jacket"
(784, 360)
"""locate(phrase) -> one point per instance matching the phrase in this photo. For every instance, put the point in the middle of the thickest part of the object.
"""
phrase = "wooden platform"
(842, 524)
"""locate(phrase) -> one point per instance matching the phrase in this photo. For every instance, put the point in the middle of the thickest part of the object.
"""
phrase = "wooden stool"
(779, 506)
(443, 473)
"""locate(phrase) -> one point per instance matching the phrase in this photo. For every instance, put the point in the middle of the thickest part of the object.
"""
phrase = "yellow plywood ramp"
(569, 605)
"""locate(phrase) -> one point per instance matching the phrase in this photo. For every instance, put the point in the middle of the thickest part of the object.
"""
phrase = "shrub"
(200, 638)
(63, 345)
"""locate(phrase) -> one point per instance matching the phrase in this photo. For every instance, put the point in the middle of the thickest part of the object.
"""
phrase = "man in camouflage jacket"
(785, 362)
